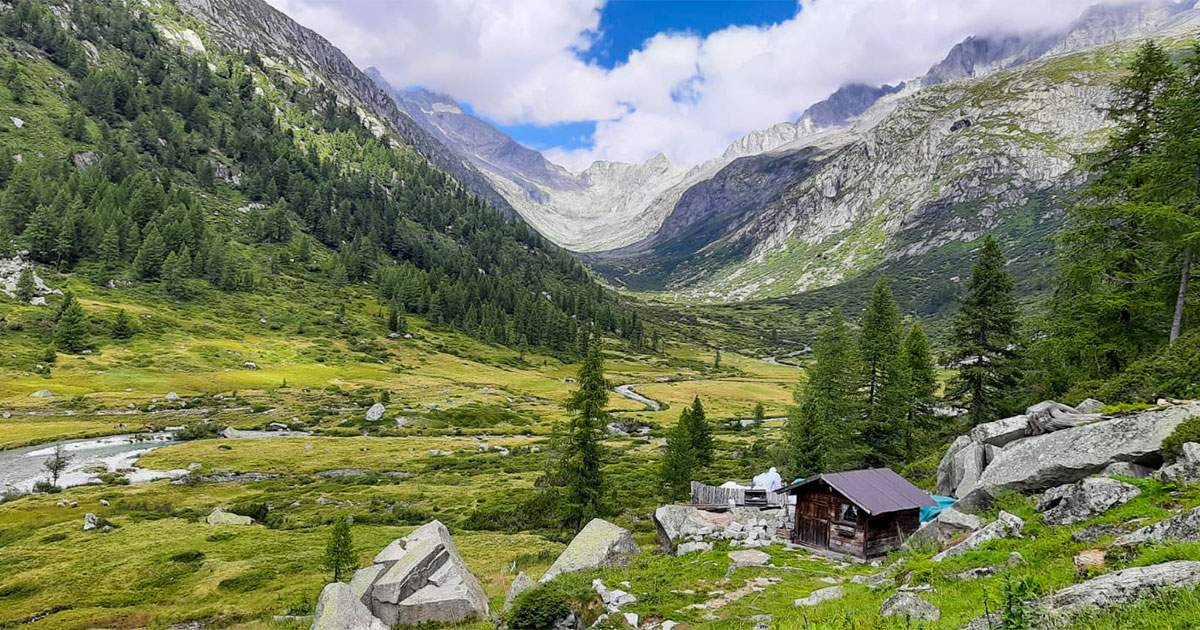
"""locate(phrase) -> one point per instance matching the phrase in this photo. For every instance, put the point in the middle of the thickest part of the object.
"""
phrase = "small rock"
(220, 517)
(90, 522)
(1091, 405)
(749, 558)
(172, 396)
(1087, 560)
(375, 413)
(42, 393)
(909, 606)
(684, 549)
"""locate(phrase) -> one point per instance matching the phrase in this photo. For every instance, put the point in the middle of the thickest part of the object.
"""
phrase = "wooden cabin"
(862, 513)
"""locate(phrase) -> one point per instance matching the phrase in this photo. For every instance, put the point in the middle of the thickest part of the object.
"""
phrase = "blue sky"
(586, 80)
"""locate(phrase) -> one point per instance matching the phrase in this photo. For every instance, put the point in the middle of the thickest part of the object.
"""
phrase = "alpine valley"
(285, 346)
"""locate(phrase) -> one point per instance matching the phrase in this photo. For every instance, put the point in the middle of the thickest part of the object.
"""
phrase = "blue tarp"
(927, 513)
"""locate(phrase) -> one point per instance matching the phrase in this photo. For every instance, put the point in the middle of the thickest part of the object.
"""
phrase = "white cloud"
(517, 61)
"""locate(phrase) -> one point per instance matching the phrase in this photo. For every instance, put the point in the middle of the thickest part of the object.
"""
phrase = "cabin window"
(847, 513)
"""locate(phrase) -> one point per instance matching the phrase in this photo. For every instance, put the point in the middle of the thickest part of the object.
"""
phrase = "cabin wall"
(886, 532)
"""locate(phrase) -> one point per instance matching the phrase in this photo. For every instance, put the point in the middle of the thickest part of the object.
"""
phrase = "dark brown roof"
(878, 490)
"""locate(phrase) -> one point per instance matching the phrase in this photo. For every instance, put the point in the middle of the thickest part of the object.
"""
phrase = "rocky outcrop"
(945, 527)
(1005, 526)
(1185, 526)
(1039, 462)
(679, 525)
(419, 579)
(1118, 588)
(909, 606)
(599, 544)
(1185, 470)
(1078, 502)
(339, 608)
(820, 596)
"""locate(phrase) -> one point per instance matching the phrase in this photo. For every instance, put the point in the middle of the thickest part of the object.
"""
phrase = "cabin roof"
(876, 490)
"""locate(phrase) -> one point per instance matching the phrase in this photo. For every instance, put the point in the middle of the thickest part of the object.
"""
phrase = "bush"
(197, 432)
(187, 557)
(518, 512)
(539, 608)
(1188, 431)
(1174, 371)
(256, 511)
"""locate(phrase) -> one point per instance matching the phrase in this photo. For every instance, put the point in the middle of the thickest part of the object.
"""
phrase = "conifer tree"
(984, 338)
(110, 247)
(699, 432)
(583, 450)
(822, 426)
(26, 288)
(679, 464)
(71, 335)
(922, 384)
(339, 557)
(884, 379)
(122, 328)
(760, 414)
(174, 275)
(151, 255)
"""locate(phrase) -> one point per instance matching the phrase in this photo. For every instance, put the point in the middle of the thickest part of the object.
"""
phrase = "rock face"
(421, 578)
(820, 596)
(1039, 462)
(519, 585)
(909, 606)
(375, 413)
(339, 608)
(598, 544)
(1088, 498)
(1005, 526)
(746, 527)
(220, 517)
(1185, 470)
(1185, 526)
(1120, 587)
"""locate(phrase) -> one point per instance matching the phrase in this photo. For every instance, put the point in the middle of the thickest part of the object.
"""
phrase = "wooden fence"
(703, 494)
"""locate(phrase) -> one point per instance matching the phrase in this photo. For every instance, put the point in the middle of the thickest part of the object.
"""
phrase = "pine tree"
(717, 359)
(151, 255)
(57, 464)
(822, 426)
(760, 414)
(984, 338)
(174, 275)
(110, 247)
(679, 464)
(699, 432)
(71, 336)
(922, 384)
(583, 449)
(339, 550)
(122, 328)
(41, 235)
(26, 288)
(884, 379)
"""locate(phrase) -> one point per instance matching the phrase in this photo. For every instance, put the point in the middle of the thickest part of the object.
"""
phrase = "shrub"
(539, 608)
(1188, 431)
(256, 511)
(187, 557)
(1173, 371)
(197, 432)
(518, 512)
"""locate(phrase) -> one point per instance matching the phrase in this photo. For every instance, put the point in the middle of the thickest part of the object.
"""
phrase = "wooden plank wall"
(703, 494)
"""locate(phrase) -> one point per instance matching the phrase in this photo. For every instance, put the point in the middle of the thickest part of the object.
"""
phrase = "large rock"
(375, 413)
(1005, 526)
(1118, 588)
(1001, 432)
(1085, 499)
(909, 606)
(599, 544)
(519, 585)
(421, 578)
(1185, 470)
(90, 522)
(339, 609)
(949, 524)
(1038, 463)
(1091, 405)
(820, 596)
(961, 469)
(220, 517)
(1185, 526)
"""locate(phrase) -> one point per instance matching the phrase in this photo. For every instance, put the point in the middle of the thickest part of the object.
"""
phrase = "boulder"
(1185, 526)
(1092, 533)
(599, 544)
(1005, 526)
(231, 433)
(749, 558)
(909, 606)
(42, 393)
(1090, 405)
(1118, 588)
(339, 609)
(423, 579)
(172, 397)
(1038, 463)
(220, 517)
(1127, 469)
(945, 527)
(684, 549)
(1001, 432)
(519, 585)
(375, 413)
(1185, 470)
(90, 522)
(1083, 500)
(820, 596)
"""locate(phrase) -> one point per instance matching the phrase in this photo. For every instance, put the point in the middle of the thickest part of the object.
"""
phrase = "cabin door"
(814, 511)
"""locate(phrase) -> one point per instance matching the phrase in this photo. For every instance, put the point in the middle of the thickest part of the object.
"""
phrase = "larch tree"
(339, 557)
